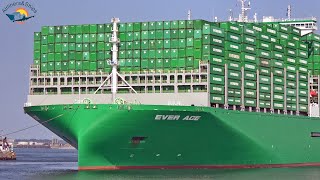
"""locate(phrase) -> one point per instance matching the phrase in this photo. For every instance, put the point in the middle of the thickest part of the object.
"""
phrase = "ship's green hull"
(111, 136)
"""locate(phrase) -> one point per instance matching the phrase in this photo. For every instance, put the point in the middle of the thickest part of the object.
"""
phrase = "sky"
(16, 40)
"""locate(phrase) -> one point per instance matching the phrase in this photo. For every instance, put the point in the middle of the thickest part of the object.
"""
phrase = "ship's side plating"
(145, 136)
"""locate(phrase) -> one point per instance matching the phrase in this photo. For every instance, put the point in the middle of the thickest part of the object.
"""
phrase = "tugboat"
(6, 150)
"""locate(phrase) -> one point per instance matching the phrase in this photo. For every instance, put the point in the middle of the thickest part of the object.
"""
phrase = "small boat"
(6, 150)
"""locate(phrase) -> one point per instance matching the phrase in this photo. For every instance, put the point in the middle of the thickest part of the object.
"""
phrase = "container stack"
(266, 67)
(144, 46)
(251, 64)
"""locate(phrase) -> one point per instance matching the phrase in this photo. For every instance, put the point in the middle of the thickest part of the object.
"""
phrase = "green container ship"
(181, 94)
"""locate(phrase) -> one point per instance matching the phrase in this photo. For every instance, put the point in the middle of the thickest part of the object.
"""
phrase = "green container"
(93, 38)
(174, 34)
(248, 58)
(264, 62)
(290, 60)
(216, 98)
(277, 55)
(189, 52)
(248, 40)
(291, 68)
(278, 80)
(283, 36)
(216, 89)
(86, 47)
(231, 74)
(249, 31)
(44, 30)
(79, 38)
(234, 65)
(250, 102)
(278, 72)
(197, 34)
(232, 46)
(215, 60)
(263, 53)
(249, 67)
(198, 24)
(72, 38)
(250, 93)
(190, 33)
(249, 84)
(51, 39)
(65, 56)
(86, 38)
(167, 34)
(278, 105)
(100, 56)
(65, 47)
(277, 47)
(36, 46)
(230, 55)
(189, 24)
(51, 30)
(159, 34)
(182, 33)
(218, 70)
(166, 25)
(37, 36)
(58, 30)
(303, 70)
(216, 79)
(265, 71)
(291, 92)
(250, 75)
(93, 66)
(264, 80)
(44, 57)
(174, 25)
(44, 40)
(233, 37)
(79, 47)
(216, 31)
(65, 38)
(50, 66)
(129, 27)
(235, 84)
(291, 84)
(264, 37)
(152, 26)
(264, 45)
(278, 88)
(269, 30)
(51, 57)
(182, 24)
(231, 27)
(57, 56)
(182, 43)
(303, 92)
(57, 66)
(264, 88)
(302, 53)
(249, 49)
(85, 65)
(197, 43)
(58, 47)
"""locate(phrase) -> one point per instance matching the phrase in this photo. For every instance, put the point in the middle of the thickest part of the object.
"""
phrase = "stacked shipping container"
(147, 46)
(266, 67)
(251, 65)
